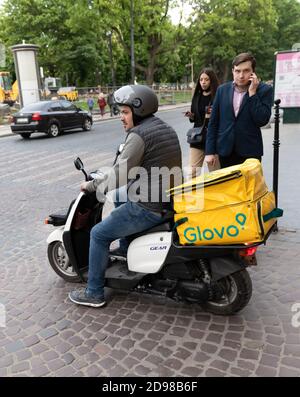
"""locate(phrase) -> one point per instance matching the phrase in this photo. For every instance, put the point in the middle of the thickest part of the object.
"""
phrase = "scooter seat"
(163, 227)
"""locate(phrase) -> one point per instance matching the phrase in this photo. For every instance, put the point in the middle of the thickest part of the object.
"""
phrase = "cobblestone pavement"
(134, 335)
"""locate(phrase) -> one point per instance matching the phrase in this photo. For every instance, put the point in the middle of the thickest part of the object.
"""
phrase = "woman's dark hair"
(214, 82)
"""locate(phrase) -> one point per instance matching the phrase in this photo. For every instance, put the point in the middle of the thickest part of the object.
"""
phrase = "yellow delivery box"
(228, 206)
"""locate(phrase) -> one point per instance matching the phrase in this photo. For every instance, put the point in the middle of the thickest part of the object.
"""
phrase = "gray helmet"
(141, 99)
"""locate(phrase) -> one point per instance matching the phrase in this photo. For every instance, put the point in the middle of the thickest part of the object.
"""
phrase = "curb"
(5, 134)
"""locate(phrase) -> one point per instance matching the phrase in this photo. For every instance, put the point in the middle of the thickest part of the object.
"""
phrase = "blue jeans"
(120, 198)
(128, 218)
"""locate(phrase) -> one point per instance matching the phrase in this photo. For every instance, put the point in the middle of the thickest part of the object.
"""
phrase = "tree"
(154, 34)
(288, 23)
(74, 45)
(233, 26)
(39, 22)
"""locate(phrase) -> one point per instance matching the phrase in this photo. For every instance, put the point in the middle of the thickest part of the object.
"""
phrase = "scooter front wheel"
(237, 291)
(60, 263)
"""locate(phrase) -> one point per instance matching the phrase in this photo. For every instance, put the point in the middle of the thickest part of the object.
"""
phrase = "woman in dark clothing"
(199, 114)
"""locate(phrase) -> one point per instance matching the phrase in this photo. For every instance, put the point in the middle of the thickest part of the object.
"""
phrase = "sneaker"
(81, 298)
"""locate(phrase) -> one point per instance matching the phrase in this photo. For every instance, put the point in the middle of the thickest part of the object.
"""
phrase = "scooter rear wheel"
(237, 293)
(60, 263)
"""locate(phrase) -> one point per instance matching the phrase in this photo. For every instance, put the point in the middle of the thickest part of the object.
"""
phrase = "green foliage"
(225, 28)
(74, 45)
(288, 23)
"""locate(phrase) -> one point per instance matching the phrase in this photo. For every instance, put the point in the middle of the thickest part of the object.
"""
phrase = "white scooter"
(215, 277)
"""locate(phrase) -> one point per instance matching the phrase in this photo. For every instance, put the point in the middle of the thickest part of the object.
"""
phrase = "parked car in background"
(69, 93)
(51, 117)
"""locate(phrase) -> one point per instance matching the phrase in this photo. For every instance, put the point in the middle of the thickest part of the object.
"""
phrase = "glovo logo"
(193, 234)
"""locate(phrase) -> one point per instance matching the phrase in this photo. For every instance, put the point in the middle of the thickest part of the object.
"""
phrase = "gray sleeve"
(132, 153)
(130, 157)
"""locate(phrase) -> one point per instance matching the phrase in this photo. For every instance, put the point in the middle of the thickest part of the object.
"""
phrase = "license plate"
(22, 120)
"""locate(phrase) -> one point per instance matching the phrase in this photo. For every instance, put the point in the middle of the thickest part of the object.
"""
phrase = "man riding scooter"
(151, 145)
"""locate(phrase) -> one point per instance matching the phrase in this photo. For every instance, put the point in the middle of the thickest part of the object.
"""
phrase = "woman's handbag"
(196, 135)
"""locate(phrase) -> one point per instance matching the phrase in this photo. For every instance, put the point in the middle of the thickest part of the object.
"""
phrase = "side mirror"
(78, 164)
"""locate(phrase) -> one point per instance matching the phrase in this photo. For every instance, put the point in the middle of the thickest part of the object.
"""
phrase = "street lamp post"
(191, 65)
(132, 42)
(113, 75)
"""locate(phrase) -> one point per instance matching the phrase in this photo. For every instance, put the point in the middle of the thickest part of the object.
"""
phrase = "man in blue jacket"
(241, 107)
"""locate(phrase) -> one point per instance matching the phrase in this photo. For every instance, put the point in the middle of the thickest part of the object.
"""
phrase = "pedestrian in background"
(90, 103)
(110, 102)
(241, 108)
(199, 114)
(101, 103)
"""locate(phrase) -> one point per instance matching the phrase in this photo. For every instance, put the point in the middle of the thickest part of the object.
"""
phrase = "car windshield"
(34, 107)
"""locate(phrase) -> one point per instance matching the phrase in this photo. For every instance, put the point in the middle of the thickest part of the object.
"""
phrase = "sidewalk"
(6, 131)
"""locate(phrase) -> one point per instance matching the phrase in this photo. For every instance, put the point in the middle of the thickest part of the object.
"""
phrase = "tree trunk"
(225, 74)
(155, 41)
(150, 71)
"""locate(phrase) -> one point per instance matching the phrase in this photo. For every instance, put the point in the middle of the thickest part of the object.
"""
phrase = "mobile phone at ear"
(250, 81)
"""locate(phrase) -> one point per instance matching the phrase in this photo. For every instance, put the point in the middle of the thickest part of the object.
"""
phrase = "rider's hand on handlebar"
(93, 184)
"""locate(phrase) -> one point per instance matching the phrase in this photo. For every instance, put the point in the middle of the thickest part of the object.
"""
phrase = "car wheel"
(87, 125)
(25, 136)
(53, 130)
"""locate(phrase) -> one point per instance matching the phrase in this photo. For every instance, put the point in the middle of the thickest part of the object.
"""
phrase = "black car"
(50, 117)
